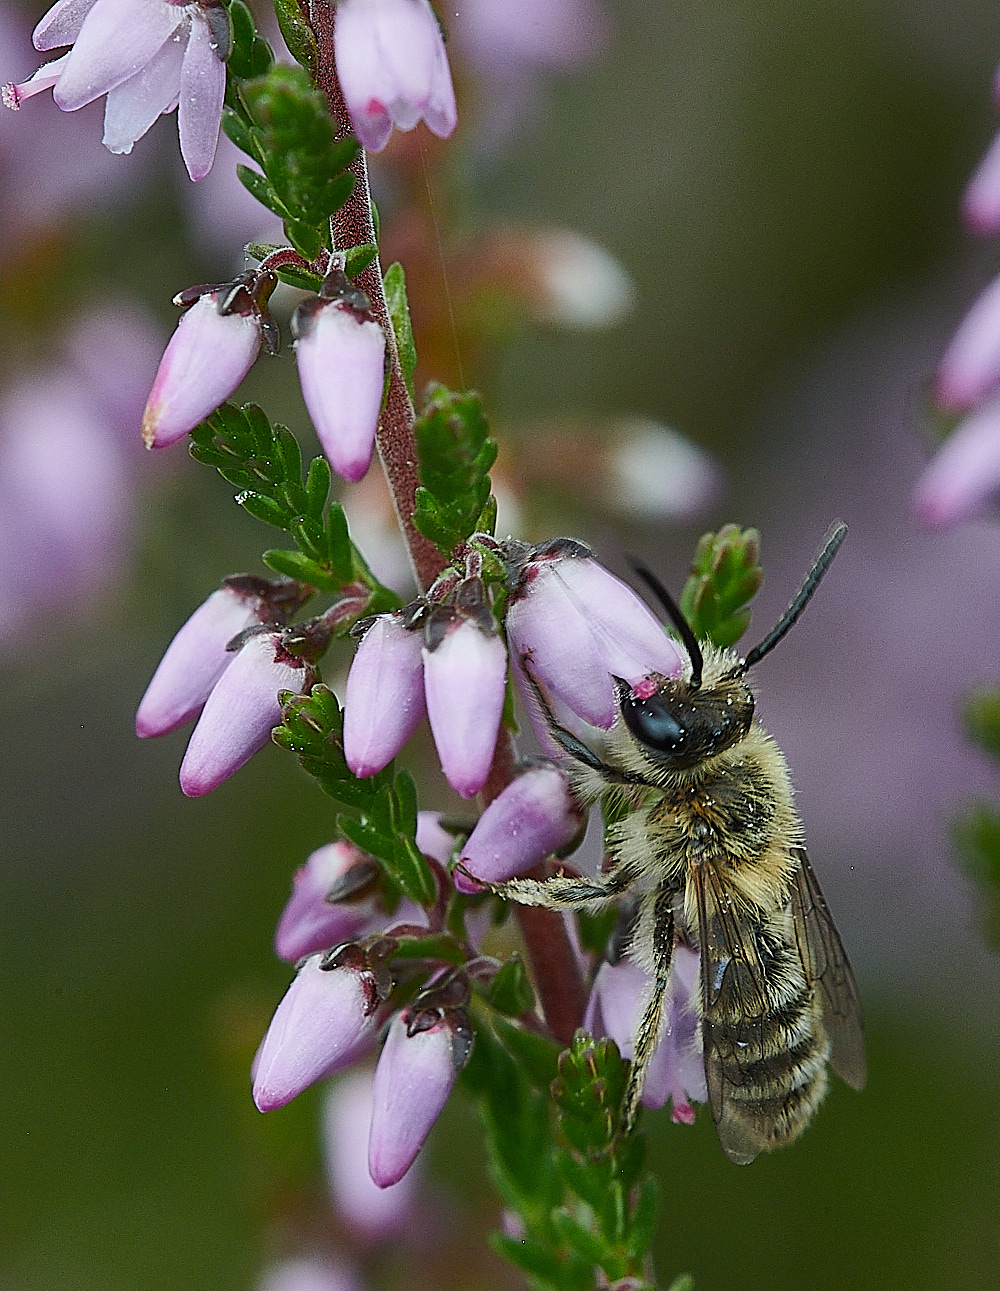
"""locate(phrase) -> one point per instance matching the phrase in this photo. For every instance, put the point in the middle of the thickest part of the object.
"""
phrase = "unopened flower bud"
(340, 351)
(533, 817)
(194, 662)
(970, 368)
(384, 699)
(241, 712)
(981, 201)
(464, 679)
(212, 350)
(392, 68)
(964, 473)
(319, 914)
(309, 1275)
(325, 1022)
(423, 1053)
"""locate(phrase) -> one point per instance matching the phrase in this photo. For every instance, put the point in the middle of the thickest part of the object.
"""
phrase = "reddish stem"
(353, 226)
(554, 966)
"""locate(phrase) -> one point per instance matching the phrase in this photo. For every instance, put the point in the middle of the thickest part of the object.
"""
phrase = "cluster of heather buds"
(445, 659)
(965, 472)
(147, 59)
(227, 663)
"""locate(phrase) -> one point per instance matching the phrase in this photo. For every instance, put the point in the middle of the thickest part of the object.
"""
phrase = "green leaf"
(258, 187)
(318, 483)
(357, 259)
(454, 456)
(338, 544)
(399, 316)
(536, 1055)
(725, 575)
(294, 565)
(263, 508)
(643, 1220)
(297, 35)
(306, 240)
(589, 1246)
(981, 715)
(510, 992)
(684, 1282)
(237, 130)
(240, 62)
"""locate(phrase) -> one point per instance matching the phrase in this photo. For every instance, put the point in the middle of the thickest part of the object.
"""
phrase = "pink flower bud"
(413, 1079)
(372, 1213)
(964, 472)
(340, 351)
(464, 678)
(393, 68)
(384, 700)
(981, 202)
(432, 839)
(194, 662)
(616, 1002)
(970, 369)
(241, 712)
(207, 358)
(325, 1022)
(533, 817)
(311, 922)
(579, 625)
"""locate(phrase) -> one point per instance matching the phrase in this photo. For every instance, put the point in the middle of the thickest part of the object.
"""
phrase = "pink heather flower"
(372, 1213)
(533, 817)
(677, 1068)
(970, 369)
(241, 712)
(309, 1275)
(325, 1022)
(579, 625)
(207, 358)
(340, 351)
(384, 700)
(964, 473)
(148, 57)
(194, 662)
(392, 68)
(981, 201)
(522, 36)
(413, 1079)
(464, 680)
(310, 922)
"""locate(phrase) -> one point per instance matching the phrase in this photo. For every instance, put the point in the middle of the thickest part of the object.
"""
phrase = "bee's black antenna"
(677, 619)
(822, 563)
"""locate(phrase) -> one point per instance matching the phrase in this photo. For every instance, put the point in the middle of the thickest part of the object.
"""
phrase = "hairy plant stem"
(353, 226)
(552, 960)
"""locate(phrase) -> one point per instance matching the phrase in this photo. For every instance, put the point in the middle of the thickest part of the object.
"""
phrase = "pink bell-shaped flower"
(393, 68)
(311, 921)
(533, 817)
(384, 699)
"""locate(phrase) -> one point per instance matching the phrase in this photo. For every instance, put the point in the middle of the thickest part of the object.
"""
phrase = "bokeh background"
(777, 184)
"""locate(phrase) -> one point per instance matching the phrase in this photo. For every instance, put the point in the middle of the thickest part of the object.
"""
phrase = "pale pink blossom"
(384, 699)
(964, 472)
(393, 68)
(149, 57)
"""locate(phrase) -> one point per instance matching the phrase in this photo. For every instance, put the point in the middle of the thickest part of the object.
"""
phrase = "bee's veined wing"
(734, 999)
(825, 964)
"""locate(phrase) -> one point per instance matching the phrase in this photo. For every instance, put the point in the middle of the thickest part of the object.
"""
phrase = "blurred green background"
(773, 176)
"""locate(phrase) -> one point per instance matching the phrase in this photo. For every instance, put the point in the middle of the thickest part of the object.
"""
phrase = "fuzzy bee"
(712, 849)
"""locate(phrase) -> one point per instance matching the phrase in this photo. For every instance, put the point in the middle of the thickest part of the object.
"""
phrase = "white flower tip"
(586, 286)
(364, 765)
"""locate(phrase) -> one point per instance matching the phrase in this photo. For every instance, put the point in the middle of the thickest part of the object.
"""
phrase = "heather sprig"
(725, 575)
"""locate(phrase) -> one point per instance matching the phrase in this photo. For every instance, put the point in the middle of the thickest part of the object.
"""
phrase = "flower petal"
(117, 39)
(133, 106)
(61, 25)
(203, 87)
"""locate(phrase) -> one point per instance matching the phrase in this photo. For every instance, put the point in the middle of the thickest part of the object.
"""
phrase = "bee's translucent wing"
(735, 1005)
(826, 965)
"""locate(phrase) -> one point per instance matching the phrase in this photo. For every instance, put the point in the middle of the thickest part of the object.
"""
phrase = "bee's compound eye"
(653, 722)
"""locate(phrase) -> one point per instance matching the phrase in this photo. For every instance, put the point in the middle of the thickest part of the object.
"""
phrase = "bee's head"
(680, 725)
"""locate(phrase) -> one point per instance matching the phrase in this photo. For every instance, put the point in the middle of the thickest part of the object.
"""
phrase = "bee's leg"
(571, 743)
(653, 947)
(562, 892)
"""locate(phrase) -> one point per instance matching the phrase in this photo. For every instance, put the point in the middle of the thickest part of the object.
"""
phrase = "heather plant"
(391, 926)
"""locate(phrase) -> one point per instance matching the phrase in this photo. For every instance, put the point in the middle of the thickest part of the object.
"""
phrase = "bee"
(711, 847)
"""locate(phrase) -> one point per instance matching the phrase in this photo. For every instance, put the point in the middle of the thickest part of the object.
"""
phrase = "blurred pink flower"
(309, 1275)
(373, 1214)
(964, 473)
(68, 467)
